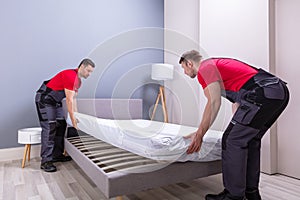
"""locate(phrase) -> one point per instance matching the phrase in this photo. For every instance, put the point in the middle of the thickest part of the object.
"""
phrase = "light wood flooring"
(70, 183)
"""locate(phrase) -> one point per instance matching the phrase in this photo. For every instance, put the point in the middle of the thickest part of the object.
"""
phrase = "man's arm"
(70, 95)
(213, 94)
(75, 102)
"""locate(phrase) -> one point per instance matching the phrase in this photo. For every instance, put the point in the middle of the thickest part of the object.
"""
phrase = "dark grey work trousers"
(261, 103)
(53, 124)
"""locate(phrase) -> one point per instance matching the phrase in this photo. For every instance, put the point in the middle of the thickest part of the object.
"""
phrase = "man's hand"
(74, 123)
(196, 143)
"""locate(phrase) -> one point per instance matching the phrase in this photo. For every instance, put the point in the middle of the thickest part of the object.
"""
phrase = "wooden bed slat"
(87, 143)
(111, 156)
(120, 159)
(130, 163)
(82, 137)
(105, 152)
(92, 146)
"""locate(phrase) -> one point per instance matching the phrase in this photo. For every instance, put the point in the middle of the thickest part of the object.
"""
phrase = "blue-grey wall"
(40, 38)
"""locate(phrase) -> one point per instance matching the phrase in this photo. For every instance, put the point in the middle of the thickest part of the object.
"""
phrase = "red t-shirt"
(67, 79)
(231, 73)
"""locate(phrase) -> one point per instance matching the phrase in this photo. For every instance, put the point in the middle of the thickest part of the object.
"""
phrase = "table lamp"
(161, 72)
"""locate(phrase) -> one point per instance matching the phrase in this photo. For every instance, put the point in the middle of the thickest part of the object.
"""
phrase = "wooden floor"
(69, 182)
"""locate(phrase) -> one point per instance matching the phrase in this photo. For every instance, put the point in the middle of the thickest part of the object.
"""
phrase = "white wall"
(235, 28)
(186, 102)
(288, 67)
(181, 34)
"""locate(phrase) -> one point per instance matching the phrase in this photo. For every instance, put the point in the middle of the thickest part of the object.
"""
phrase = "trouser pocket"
(42, 112)
(274, 91)
(246, 112)
(272, 86)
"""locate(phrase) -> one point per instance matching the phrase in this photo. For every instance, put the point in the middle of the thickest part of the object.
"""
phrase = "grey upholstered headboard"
(111, 108)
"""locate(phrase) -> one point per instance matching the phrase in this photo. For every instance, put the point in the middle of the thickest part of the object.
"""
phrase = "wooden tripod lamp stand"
(161, 72)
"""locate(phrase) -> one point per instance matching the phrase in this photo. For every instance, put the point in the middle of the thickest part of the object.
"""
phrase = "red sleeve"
(207, 74)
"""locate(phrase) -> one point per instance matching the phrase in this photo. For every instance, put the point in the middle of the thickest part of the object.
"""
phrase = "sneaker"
(253, 195)
(48, 167)
(61, 159)
(225, 195)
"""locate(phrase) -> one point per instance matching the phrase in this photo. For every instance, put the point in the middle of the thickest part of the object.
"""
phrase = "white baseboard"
(18, 153)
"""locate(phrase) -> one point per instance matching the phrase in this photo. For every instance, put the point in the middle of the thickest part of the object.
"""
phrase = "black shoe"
(253, 195)
(48, 167)
(225, 195)
(61, 159)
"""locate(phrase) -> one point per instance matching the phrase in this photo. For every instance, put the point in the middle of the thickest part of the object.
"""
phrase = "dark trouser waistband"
(257, 80)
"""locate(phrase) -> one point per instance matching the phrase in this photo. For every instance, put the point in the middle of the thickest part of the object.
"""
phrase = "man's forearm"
(213, 94)
(210, 113)
(70, 108)
(75, 106)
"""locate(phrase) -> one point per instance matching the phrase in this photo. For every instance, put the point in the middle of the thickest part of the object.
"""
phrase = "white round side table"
(29, 136)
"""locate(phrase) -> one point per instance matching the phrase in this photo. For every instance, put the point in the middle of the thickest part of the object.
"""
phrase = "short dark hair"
(190, 55)
(86, 62)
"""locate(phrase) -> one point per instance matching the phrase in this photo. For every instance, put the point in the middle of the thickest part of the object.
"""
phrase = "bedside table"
(29, 136)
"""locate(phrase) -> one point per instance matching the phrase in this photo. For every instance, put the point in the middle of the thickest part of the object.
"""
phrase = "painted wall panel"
(287, 67)
(40, 38)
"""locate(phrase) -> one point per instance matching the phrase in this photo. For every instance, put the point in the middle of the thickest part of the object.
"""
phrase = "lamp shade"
(162, 71)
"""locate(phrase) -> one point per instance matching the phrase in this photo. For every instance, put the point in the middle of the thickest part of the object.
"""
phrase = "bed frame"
(117, 172)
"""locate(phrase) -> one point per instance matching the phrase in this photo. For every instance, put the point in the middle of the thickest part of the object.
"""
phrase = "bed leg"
(119, 198)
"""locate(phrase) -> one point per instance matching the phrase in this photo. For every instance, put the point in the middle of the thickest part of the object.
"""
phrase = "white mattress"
(152, 139)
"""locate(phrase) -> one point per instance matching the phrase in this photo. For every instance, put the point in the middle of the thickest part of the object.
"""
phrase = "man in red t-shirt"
(258, 99)
(48, 101)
